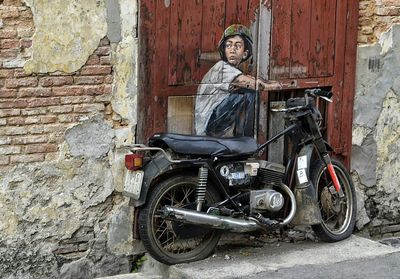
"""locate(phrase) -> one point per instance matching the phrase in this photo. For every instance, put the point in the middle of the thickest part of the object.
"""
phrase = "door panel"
(303, 39)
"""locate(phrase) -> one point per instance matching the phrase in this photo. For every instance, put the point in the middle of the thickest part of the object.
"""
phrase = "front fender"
(307, 212)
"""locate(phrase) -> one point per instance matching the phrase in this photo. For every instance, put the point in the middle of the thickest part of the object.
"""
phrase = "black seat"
(204, 145)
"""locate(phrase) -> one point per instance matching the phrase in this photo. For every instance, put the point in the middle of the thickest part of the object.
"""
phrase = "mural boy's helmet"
(233, 30)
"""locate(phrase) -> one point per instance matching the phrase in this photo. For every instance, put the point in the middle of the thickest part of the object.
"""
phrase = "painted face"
(235, 50)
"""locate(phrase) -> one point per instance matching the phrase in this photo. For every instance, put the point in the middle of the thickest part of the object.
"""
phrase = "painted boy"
(225, 98)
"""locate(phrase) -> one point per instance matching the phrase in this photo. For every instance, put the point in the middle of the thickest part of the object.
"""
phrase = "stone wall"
(376, 132)
(376, 17)
(68, 99)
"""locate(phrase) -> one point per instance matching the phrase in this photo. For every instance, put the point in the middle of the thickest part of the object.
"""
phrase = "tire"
(161, 238)
(338, 214)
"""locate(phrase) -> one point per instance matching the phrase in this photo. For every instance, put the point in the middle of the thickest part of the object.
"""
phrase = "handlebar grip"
(319, 92)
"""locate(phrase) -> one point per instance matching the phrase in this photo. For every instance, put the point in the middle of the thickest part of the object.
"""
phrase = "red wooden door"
(302, 43)
(178, 46)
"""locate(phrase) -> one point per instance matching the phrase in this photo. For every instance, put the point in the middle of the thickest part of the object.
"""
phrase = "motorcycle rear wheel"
(172, 242)
(338, 214)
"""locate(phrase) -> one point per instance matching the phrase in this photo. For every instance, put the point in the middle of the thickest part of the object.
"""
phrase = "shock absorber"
(201, 187)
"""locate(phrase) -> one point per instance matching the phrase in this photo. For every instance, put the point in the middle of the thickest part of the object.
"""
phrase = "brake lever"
(326, 99)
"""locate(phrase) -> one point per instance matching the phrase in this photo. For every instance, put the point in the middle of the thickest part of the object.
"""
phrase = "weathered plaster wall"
(376, 133)
(68, 82)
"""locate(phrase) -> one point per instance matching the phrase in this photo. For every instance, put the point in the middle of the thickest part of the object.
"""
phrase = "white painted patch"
(302, 176)
(302, 162)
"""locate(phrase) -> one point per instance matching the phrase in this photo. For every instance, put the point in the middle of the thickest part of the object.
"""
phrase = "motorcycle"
(188, 190)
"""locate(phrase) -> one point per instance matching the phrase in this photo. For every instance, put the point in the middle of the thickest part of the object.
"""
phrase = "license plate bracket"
(133, 184)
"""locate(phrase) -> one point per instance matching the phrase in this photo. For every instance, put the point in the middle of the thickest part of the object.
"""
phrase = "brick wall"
(376, 17)
(36, 109)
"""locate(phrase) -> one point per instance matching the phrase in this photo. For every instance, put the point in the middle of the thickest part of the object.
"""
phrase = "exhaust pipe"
(193, 217)
(198, 218)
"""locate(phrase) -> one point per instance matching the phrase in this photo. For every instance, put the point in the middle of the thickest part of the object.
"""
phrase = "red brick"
(13, 131)
(30, 139)
(5, 141)
(12, 3)
(76, 99)
(44, 102)
(6, 73)
(22, 82)
(84, 108)
(94, 90)
(96, 70)
(108, 79)
(35, 92)
(105, 60)
(10, 43)
(66, 118)
(40, 148)
(32, 120)
(35, 129)
(55, 81)
(93, 60)
(4, 160)
(8, 93)
(13, 103)
(25, 32)
(51, 128)
(103, 50)
(48, 119)
(7, 150)
(89, 80)
(9, 12)
(27, 158)
(20, 72)
(15, 121)
(26, 43)
(26, 14)
(61, 109)
(9, 112)
(107, 89)
(68, 91)
(105, 98)
(7, 33)
(8, 53)
(35, 111)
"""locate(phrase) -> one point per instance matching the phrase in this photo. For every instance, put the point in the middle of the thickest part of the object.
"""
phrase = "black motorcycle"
(188, 190)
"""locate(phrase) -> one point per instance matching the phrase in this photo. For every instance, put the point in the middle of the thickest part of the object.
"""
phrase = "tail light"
(133, 161)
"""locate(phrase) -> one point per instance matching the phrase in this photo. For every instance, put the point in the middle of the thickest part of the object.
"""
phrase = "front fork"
(332, 173)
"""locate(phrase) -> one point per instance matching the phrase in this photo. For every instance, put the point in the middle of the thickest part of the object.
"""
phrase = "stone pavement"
(247, 257)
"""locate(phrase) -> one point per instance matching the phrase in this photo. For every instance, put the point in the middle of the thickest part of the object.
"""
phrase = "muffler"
(193, 217)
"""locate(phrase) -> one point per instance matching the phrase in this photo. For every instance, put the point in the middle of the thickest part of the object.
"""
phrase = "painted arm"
(247, 81)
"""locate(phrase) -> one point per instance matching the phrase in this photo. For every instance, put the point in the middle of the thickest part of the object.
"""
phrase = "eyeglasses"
(235, 46)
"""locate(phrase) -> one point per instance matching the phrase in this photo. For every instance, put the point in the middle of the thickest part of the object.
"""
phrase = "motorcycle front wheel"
(172, 242)
(338, 214)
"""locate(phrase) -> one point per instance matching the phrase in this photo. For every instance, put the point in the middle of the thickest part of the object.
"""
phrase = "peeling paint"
(67, 33)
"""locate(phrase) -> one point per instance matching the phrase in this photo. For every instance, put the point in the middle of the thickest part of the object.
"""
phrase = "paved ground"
(355, 257)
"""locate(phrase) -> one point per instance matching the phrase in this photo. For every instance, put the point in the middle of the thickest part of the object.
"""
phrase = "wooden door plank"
(300, 38)
(322, 41)
(173, 42)
(281, 30)
(190, 15)
(146, 62)
(211, 32)
(161, 45)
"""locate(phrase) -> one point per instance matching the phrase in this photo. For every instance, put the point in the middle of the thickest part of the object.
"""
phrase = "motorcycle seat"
(205, 145)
